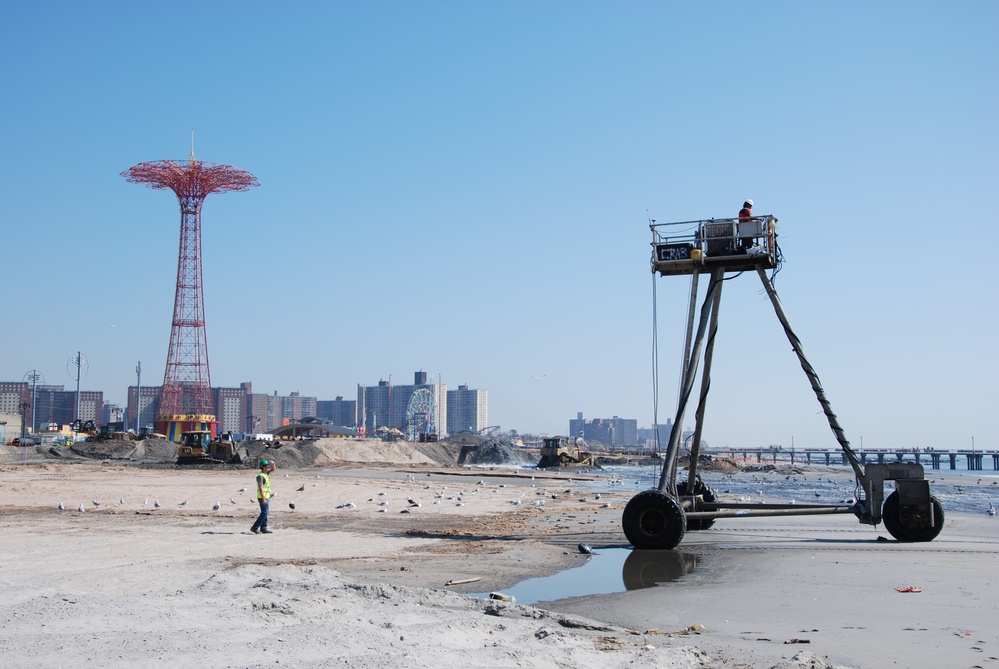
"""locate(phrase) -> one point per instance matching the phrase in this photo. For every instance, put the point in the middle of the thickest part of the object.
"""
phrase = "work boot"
(255, 530)
(265, 531)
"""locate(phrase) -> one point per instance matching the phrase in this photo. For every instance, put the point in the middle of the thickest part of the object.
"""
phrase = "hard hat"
(749, 202)
(264, 463)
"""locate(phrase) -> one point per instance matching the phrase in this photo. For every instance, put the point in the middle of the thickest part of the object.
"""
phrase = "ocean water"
(963, 491)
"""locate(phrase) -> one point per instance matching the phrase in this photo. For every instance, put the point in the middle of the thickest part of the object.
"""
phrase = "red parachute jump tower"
(186, 398)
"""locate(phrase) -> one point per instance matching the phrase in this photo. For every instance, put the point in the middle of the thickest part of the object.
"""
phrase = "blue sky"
(464, 188)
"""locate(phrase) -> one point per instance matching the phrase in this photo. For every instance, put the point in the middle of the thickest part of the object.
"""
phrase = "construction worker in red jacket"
(746, 216)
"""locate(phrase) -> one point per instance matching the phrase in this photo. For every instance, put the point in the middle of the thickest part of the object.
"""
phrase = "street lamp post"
(34, 376)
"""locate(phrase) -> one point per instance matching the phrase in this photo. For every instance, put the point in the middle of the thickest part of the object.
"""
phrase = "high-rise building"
(266, 412)
(467, 409)
(339, 411)
(147, 404)
(230, 408)
(619, 432)
(55, 404)
(15, 397)
(15, 400)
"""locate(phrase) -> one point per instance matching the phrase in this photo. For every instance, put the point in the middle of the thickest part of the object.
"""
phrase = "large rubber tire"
(653, 520)
(700, 488)
(911, 523)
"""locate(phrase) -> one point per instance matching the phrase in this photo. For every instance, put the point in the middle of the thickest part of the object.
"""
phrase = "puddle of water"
(608, 571)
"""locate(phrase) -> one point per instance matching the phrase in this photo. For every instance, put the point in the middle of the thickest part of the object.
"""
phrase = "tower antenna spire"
(192, 145)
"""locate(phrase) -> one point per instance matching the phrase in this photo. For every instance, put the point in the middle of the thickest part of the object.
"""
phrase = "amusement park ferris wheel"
(421, 415)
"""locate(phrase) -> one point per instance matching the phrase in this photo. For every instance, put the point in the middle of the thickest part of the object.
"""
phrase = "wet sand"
(127, 584)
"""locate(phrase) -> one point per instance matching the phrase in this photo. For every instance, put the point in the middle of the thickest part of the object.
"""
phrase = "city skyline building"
(339, 411)
(15, 400)
(467, 409)
(423, 408)
(615, 431)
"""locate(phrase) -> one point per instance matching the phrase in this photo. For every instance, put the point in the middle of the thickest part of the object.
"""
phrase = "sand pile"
(331, 451)
(143, 450)
(711, 463)
(497, 452)
(287, 454)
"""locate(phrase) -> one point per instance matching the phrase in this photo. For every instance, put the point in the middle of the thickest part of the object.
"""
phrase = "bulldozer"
(564, 452)
(198, 447)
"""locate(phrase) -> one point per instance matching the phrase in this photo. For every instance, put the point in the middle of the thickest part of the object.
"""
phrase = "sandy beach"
(358, 576)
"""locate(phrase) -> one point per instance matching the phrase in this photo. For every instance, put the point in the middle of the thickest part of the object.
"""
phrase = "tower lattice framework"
(187, 380)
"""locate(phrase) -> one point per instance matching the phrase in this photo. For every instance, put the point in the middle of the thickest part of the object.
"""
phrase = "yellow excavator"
(564, 452)
(198, 447)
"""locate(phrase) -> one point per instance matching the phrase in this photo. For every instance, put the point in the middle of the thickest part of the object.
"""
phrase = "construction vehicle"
(564, 452)
(198, 447)
(85, 427)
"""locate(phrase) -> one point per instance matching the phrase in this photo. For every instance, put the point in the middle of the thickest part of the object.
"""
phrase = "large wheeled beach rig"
(658, 518)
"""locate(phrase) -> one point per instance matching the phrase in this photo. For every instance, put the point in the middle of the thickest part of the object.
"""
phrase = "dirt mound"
(333, 451)
(300, 454)
(709, 463)
(144, 450)
(496, 452)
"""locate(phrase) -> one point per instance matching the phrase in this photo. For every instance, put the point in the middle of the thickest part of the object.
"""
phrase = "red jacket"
(745, 215)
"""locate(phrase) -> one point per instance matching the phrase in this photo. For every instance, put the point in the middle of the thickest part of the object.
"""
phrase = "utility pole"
(138, 395)
(77, 361)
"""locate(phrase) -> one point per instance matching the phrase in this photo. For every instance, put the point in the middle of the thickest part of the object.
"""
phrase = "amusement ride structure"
(186, 398)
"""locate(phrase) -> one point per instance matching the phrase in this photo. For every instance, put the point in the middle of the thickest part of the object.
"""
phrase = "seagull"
(243, 489)
(291, 505)
(232, 501)
(184, 503)
(61, 507)
(990, 511)
(216, 507)
(96, 503)
(156, 503)
(348, 505)
(80, 509)
(145, 502)
(300, 489)
(121, 501)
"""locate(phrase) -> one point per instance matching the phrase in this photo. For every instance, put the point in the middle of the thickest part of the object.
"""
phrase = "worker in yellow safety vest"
(263, 497)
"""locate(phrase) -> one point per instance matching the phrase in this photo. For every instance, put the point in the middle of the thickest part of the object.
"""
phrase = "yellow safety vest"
(265, 488)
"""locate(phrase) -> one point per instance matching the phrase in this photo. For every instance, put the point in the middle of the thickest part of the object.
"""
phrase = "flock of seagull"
(441, 495)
